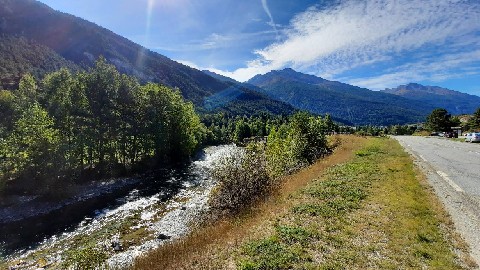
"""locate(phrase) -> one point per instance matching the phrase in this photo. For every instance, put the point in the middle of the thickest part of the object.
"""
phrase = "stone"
(163, 237)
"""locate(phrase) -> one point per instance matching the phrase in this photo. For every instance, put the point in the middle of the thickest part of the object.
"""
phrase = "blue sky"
(376, 44)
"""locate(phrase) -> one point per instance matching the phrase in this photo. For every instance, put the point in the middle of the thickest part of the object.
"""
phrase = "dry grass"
(364, 207)
(212, 247)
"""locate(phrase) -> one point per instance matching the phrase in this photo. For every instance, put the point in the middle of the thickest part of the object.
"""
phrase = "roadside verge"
(364, 207)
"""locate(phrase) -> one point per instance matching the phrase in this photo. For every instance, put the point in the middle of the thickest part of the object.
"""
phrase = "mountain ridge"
(358, 105)
(65, 38)
(453, 101)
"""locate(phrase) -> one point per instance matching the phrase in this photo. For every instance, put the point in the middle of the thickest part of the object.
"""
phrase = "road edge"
(455, 201)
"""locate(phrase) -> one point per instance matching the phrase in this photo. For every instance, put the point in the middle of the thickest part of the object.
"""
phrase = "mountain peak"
(286, 74)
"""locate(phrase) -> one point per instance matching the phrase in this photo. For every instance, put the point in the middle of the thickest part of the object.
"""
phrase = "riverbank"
(364, 207)
(138, 223)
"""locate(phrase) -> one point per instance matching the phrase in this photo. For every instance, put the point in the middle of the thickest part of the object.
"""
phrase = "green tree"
(7, 112)
(474, 122)
(439, 120)
(26, 94)
(32, 147)
(242, 131)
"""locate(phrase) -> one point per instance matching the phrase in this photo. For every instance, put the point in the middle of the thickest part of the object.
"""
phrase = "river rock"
(162, 236)
(116, 244)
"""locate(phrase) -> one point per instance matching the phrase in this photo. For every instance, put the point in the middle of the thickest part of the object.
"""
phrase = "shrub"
(242, 178)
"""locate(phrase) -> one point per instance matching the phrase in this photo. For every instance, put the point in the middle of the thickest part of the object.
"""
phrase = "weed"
(271, 254)
(85, 258)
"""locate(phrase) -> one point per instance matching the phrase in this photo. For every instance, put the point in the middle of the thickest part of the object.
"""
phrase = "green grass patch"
(271, 253)
(370, 213)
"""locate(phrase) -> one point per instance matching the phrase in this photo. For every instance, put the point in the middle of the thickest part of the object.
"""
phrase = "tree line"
(94, 123)
(291, 142)
(440, 120)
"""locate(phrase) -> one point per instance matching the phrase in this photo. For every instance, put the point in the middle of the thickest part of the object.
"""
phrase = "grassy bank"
(364, 207)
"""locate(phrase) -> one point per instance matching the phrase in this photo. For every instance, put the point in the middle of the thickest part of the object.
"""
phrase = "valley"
(239, 134)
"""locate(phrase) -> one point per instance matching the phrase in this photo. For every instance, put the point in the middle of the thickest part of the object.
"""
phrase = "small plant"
(271, 254)
(86, 258)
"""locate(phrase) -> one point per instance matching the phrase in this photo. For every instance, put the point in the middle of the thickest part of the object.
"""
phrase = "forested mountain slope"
(43, 40)
(19, 56)
(357, 105)
(453, 101)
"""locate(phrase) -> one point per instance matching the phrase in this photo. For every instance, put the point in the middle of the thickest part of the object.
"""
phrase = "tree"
(7, 112)
(27, 91)
(32, 147)
(439, 120)
(474, 122)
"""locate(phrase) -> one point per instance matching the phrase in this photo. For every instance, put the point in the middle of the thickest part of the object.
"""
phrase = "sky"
(375, 44)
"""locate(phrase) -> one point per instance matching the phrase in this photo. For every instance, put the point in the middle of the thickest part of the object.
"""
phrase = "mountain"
(43, 40)
(82, 42)
(243, 99)
(453, 101)
(20, 56)
(357, 105)
(220, 77)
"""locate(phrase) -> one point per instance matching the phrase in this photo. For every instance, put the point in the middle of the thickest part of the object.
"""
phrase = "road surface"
(453, 170)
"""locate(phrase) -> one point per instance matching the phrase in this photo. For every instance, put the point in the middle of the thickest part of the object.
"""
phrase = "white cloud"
(217, 41)
(449, 66)
(352, 34)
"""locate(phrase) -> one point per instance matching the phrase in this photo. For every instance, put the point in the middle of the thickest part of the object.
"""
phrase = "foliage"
(244, 177)
(474, 122)
(31, 149)
(85, 258)
(439, 120)
(96, 122)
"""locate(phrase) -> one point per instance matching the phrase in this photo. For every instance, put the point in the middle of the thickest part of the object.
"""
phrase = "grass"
(364, 207)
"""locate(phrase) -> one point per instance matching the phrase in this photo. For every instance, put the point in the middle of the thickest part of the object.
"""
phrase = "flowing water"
(32, 222)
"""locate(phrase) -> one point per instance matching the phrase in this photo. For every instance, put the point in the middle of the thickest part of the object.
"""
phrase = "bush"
(242, 178)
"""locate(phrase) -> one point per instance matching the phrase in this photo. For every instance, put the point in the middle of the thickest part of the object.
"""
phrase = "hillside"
(20, 56)
(44, 40)
(357, 105)
(453, 101)
(82, 42)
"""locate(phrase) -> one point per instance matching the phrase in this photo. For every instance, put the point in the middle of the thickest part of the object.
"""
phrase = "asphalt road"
(453, 170)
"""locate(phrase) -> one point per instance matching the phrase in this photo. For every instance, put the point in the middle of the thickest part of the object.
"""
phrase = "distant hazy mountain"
(357, 105)
(243, 99)
(453, 101)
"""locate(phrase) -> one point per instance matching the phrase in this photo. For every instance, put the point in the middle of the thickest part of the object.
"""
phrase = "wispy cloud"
(352, 34)
(269, 14)
(217, 41)
(438, 69)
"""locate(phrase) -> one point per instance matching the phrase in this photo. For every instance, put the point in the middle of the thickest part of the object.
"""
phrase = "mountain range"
(44, 40)
(37, 39)
(454, 102)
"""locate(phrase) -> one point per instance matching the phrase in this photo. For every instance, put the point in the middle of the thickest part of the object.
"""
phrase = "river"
(156, 207)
